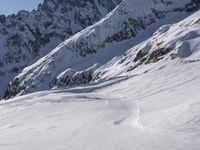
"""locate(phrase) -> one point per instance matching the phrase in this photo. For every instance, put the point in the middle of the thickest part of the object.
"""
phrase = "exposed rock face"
(70, 78)
(122, 24)
(27, 36)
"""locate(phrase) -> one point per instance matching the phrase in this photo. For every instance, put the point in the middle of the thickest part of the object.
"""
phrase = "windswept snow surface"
(154, 110)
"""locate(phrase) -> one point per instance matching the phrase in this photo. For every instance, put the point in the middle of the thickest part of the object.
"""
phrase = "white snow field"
(155, 110)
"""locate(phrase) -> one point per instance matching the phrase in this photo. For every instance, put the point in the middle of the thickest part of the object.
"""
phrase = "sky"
(8, 7)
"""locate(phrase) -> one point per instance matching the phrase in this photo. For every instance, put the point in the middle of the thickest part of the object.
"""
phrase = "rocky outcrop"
(70, 78)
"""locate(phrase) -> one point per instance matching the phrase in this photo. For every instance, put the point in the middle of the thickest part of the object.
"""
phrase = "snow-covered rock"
(72, 77)
(174, 41)
(97, 44)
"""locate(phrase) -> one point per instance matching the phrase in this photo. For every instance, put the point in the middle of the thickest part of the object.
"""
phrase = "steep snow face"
(27, 36)
(69, 63)
(155, 110)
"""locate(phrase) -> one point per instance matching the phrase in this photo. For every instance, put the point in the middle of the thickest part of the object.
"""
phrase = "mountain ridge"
(27, 36)
(121, 24)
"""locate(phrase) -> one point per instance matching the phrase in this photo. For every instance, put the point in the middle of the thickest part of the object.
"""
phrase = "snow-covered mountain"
(27, 36)
(90, 55)
(153, 107)
(133, 83)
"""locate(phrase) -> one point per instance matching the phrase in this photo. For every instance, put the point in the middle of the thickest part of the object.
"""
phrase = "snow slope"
(172, 41)
(76, 61)
(154, 110)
